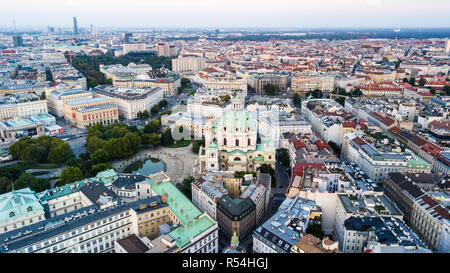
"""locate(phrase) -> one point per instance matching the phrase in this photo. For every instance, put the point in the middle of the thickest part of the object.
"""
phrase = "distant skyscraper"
(17, 40)
(75, 26)
(92, 28)
(447, 45)
(127, 38)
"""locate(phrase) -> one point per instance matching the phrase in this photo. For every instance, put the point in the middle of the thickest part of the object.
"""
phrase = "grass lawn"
(181, 143)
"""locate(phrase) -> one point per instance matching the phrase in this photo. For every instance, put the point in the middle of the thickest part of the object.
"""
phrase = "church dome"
(237, 119)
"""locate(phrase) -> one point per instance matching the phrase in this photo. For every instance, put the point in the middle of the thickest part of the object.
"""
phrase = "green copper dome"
(240, 119)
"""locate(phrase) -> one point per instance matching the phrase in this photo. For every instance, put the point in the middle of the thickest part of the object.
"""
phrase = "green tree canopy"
(271, 89)
(297, 100)
(69, 175)
(100, 156)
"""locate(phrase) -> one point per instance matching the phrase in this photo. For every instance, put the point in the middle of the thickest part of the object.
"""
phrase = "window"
(12, 214)
(29, 209)
(248, 141)
(225, 141)
(237, 142)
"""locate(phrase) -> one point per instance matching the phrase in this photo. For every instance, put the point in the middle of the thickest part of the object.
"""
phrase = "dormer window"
(225, 128)
(12, 214)
(29, 209)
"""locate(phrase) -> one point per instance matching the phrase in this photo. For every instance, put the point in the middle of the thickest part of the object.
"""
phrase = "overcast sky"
(227, 13)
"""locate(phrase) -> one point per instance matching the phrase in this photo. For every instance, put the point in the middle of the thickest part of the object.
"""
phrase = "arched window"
(225, 128)
(29, 209)
(237, 159)
(248, 141)
(237, 142)
(225, 141)
(237, 129)
(12, 214)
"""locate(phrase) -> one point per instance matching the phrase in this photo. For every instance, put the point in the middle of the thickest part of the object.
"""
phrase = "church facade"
(231, 144)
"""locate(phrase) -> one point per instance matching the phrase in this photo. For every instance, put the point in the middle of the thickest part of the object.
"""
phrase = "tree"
(412, 81)
(155, 109)
(297, 100)
(163, 104)
(422, 81)
(405, 80)
(446, 90)
(316, 230)
(433, 91)
(225, 98)
(151, 139)
(69, 175)
(196, 145)
(60, 154)
(284, 158)
(99, 168)
(266, 168)
(317, 94)
(185, 186)
(166, 138)
(152, 126)
(356, 93)
(109, 81)
(185, 83)
(4, 183)
(145, 115)
(100, 156)
(271, 89)
(42, 97)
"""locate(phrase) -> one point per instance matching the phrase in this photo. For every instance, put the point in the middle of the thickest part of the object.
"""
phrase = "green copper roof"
(18, 203)
(107, 176)
(178, 203)
(240, 119)
(185, 211)
(61, 190)
(184, 234)
(237, 151)
(213, 146)
(418, 163)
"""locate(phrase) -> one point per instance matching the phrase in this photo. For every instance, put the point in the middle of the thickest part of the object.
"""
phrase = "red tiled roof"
(299, 166)
(432, 149)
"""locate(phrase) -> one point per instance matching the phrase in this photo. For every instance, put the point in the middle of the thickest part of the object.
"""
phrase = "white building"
(130, 101)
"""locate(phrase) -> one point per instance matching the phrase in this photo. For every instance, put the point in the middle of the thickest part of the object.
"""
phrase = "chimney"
(164, 198)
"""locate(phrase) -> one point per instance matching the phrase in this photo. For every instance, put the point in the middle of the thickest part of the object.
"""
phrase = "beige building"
(85, 113)
(57, 98)
(257, 82)
(188, 63)
(22, 109)
(305, 83)
(169, 85)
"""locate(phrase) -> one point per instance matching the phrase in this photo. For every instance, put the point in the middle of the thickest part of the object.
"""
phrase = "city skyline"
(232, 14)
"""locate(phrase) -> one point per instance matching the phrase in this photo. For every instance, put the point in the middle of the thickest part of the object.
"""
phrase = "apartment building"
(427, 217)
(188, 63)
(148, 214)
(389, 231)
